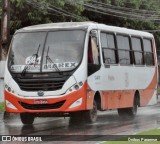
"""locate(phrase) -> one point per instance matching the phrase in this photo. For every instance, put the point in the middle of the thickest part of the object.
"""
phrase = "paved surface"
(109, 123)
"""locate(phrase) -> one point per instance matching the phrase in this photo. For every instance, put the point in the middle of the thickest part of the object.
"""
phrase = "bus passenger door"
(93, 60)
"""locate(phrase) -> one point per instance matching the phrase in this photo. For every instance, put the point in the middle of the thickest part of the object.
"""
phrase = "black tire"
(76, 117)
(91, 115)
(27, 118)
(129, 111)
(133, 111)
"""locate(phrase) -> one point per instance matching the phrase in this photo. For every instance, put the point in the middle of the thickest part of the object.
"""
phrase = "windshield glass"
(59, 50)
(63, 49)
(26, 50)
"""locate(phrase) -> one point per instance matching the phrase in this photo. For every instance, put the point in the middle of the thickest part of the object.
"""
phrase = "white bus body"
(77, 68)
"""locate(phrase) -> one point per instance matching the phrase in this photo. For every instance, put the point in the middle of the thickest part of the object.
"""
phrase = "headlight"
(8, 88)
(75, 87)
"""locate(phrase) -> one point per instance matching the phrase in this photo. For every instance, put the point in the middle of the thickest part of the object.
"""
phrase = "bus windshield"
(46, 51)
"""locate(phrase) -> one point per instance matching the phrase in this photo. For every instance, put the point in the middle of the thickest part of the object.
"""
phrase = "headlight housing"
(75, 87)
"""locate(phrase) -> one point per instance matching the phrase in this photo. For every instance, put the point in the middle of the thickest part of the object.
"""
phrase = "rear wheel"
(129, 111)
(27, 118)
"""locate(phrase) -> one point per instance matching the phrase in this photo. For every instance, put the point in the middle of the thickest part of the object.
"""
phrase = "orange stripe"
(70, 98)
(122, 98)
(147, 94)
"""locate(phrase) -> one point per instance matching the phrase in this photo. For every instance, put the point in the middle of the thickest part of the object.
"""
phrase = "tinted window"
(104, 42)
(136, 44)
(123, 49)
(137, 50)
(109, 56)
(123, 42)
(148, 53)
(147, 45)
(108, 48)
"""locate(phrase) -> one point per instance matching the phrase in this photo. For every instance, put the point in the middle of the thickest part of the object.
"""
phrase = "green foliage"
(23, 14)
(147, 6)
(2, 107)
(31, 12)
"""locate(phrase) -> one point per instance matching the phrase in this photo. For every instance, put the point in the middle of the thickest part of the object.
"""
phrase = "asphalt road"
(109, 124)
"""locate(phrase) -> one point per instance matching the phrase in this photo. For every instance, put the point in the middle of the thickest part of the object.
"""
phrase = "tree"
(31, 12)
(150, 8)
(0, 10)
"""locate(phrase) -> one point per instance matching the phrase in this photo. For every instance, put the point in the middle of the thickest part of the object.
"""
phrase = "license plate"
(41, 101)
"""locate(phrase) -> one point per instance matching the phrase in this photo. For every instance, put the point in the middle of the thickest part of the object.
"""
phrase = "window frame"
(130, 48)
(152, 52)
(140, 51)
(113, 49)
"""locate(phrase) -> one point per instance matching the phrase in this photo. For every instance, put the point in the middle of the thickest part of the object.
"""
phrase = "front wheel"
(91, 115)
(27, 118)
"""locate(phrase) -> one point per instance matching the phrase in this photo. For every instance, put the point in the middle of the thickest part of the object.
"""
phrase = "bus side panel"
(118, 99)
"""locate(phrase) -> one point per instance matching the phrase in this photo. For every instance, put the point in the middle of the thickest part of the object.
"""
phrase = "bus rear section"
(128, 75)
(75, 69)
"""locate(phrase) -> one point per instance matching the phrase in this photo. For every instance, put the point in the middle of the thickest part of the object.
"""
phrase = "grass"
(152, 134)
(2, 108)
(127, 142)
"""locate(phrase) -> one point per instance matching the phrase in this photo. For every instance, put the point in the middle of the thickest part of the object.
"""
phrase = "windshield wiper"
(50, 60)
(36, 57)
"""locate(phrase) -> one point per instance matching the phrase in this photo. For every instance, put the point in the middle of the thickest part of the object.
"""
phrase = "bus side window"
(137, 50)
(108, 48)
(123, 49)
(148, 52)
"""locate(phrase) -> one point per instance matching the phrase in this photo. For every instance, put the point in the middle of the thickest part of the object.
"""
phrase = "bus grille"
(40, 84)
(42, 106)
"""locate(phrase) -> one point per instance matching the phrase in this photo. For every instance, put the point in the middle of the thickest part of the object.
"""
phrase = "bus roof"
(63, 25)
(85, 25)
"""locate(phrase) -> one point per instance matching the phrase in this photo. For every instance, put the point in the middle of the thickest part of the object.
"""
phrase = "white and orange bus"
(76, 68)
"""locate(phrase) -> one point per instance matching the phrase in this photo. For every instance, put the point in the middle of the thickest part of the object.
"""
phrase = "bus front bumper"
(75, 101)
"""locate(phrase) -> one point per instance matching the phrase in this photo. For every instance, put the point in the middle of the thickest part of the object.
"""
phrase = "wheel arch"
(137, 97)
(98, 99)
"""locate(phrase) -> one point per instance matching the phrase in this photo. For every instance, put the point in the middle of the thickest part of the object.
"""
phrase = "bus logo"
(40, 93)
